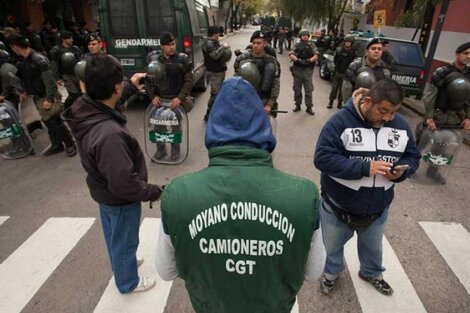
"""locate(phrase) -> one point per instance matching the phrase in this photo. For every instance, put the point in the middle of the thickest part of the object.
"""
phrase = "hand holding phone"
(400, 167)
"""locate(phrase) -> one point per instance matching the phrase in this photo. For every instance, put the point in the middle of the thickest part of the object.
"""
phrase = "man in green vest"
(242, 234)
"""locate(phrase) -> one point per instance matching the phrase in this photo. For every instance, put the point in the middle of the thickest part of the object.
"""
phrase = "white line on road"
(23, 273)
(404, 298)
(153, 300)
(452, 241)
(3, 219)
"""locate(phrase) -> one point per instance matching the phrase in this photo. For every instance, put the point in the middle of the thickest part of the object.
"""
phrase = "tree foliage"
(413, 15)
(316, 11)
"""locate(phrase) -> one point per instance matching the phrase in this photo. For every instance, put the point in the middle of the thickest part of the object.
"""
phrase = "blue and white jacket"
(345, 148)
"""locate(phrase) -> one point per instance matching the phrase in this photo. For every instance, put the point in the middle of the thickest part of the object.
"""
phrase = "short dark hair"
(386, 90)
(18, 40)
(102, 73)
(212, 30)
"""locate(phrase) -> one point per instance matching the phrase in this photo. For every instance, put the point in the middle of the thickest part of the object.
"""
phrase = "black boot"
(310, 111)
(161, 152)
(340, 104)
(54, 132)
(297, 108)
(330, 104)
(175, 152)
(67, 139)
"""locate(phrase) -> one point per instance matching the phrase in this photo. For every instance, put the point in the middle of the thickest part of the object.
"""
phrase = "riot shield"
(438, 149)
(36, 128)
(14, 140)
(166, 133)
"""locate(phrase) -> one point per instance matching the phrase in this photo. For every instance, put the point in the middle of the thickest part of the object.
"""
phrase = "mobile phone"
(401, 167)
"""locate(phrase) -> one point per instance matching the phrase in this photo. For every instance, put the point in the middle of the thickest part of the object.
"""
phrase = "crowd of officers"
(172, 72)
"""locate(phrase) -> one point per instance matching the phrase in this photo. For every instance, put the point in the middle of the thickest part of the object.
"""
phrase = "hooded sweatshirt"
(111, 156)
(238, 232)
(345, 148)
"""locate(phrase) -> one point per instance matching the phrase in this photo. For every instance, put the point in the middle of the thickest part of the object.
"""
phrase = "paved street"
(53, 257)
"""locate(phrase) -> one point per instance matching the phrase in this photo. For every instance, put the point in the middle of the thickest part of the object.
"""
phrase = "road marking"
(153, 300)
(404, 298)
(452, 241)
(295, 308)
(3, 219)
(23, 273)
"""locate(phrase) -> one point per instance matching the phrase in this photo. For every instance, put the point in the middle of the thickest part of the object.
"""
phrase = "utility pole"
(435, 38)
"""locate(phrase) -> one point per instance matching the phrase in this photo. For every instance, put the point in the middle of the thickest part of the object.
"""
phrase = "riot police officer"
(303, 58)
(343, 57)
(216, 57)
(257, 62)
(371, 65)
(63, 59)
(175, 86)
(387, 56)
(6, 69)
(39, 83)
(93, 42)
(447, 96)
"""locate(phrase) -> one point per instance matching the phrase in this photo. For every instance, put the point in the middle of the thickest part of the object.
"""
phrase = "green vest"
(241, 232)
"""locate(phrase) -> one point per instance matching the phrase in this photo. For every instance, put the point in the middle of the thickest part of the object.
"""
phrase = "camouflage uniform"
(216, 68)
(302, 71)
(357, 66)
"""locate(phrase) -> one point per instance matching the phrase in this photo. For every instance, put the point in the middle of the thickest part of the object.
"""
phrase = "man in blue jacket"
(362, 151)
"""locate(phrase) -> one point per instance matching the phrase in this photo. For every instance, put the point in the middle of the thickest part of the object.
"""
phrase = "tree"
(413, 14)
(317, 11)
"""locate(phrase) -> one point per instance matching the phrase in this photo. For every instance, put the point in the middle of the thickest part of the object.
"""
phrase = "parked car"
(408, 69)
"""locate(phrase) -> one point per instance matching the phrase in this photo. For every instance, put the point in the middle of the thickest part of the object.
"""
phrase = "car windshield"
(406, 53)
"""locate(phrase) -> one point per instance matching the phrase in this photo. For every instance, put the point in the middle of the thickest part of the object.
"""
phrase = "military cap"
(463, 47)
(258, 34)
(92, 37)
(65, 35)
(166, 38)
(374, 41)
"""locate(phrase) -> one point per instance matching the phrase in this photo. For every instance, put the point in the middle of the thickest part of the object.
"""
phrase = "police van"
(131, 29)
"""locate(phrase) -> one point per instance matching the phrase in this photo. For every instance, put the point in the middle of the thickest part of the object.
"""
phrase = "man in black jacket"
(115, 164)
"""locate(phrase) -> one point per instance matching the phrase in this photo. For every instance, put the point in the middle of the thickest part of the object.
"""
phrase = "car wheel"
(324, 72)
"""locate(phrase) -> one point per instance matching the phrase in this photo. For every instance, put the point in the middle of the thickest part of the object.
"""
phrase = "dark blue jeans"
(121, 233)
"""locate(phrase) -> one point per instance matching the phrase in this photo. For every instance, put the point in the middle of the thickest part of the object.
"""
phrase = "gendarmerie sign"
(136, 42)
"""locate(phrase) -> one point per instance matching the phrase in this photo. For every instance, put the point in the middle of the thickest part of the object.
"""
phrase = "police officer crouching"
(261, 70)
(63, 59)
(175, 85)
(39, 83)
(303, 57)
(216, 57)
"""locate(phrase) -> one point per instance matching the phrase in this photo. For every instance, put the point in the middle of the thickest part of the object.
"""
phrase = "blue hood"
(238, 118)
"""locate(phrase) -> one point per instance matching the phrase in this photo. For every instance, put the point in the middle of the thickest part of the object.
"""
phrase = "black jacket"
(110, 154)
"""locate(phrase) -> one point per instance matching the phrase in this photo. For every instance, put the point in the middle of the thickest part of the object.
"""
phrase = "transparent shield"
(36, 128)
(438, 149)
(14, 140)
(166, 133)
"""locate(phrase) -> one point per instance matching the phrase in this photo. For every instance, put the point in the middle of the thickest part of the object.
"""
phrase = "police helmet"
(364, 79)
(68, 60)
(2, 46)
(446, 137)
(250, 72)
(226, 56)
(79, 70)
(4, 57)
(304, 32)
(156, 69)
(458, 90)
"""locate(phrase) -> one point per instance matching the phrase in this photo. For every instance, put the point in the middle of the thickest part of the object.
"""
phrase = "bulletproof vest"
(176, 67)
(344, 58)
(305, 50)
(30, 73)
(443, 101)
(212, 65)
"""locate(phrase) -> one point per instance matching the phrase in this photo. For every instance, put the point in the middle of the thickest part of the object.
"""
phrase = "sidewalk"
(417, 106)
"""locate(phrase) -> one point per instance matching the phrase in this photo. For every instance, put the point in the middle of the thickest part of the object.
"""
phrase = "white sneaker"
(145, 283)
(140, 260)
